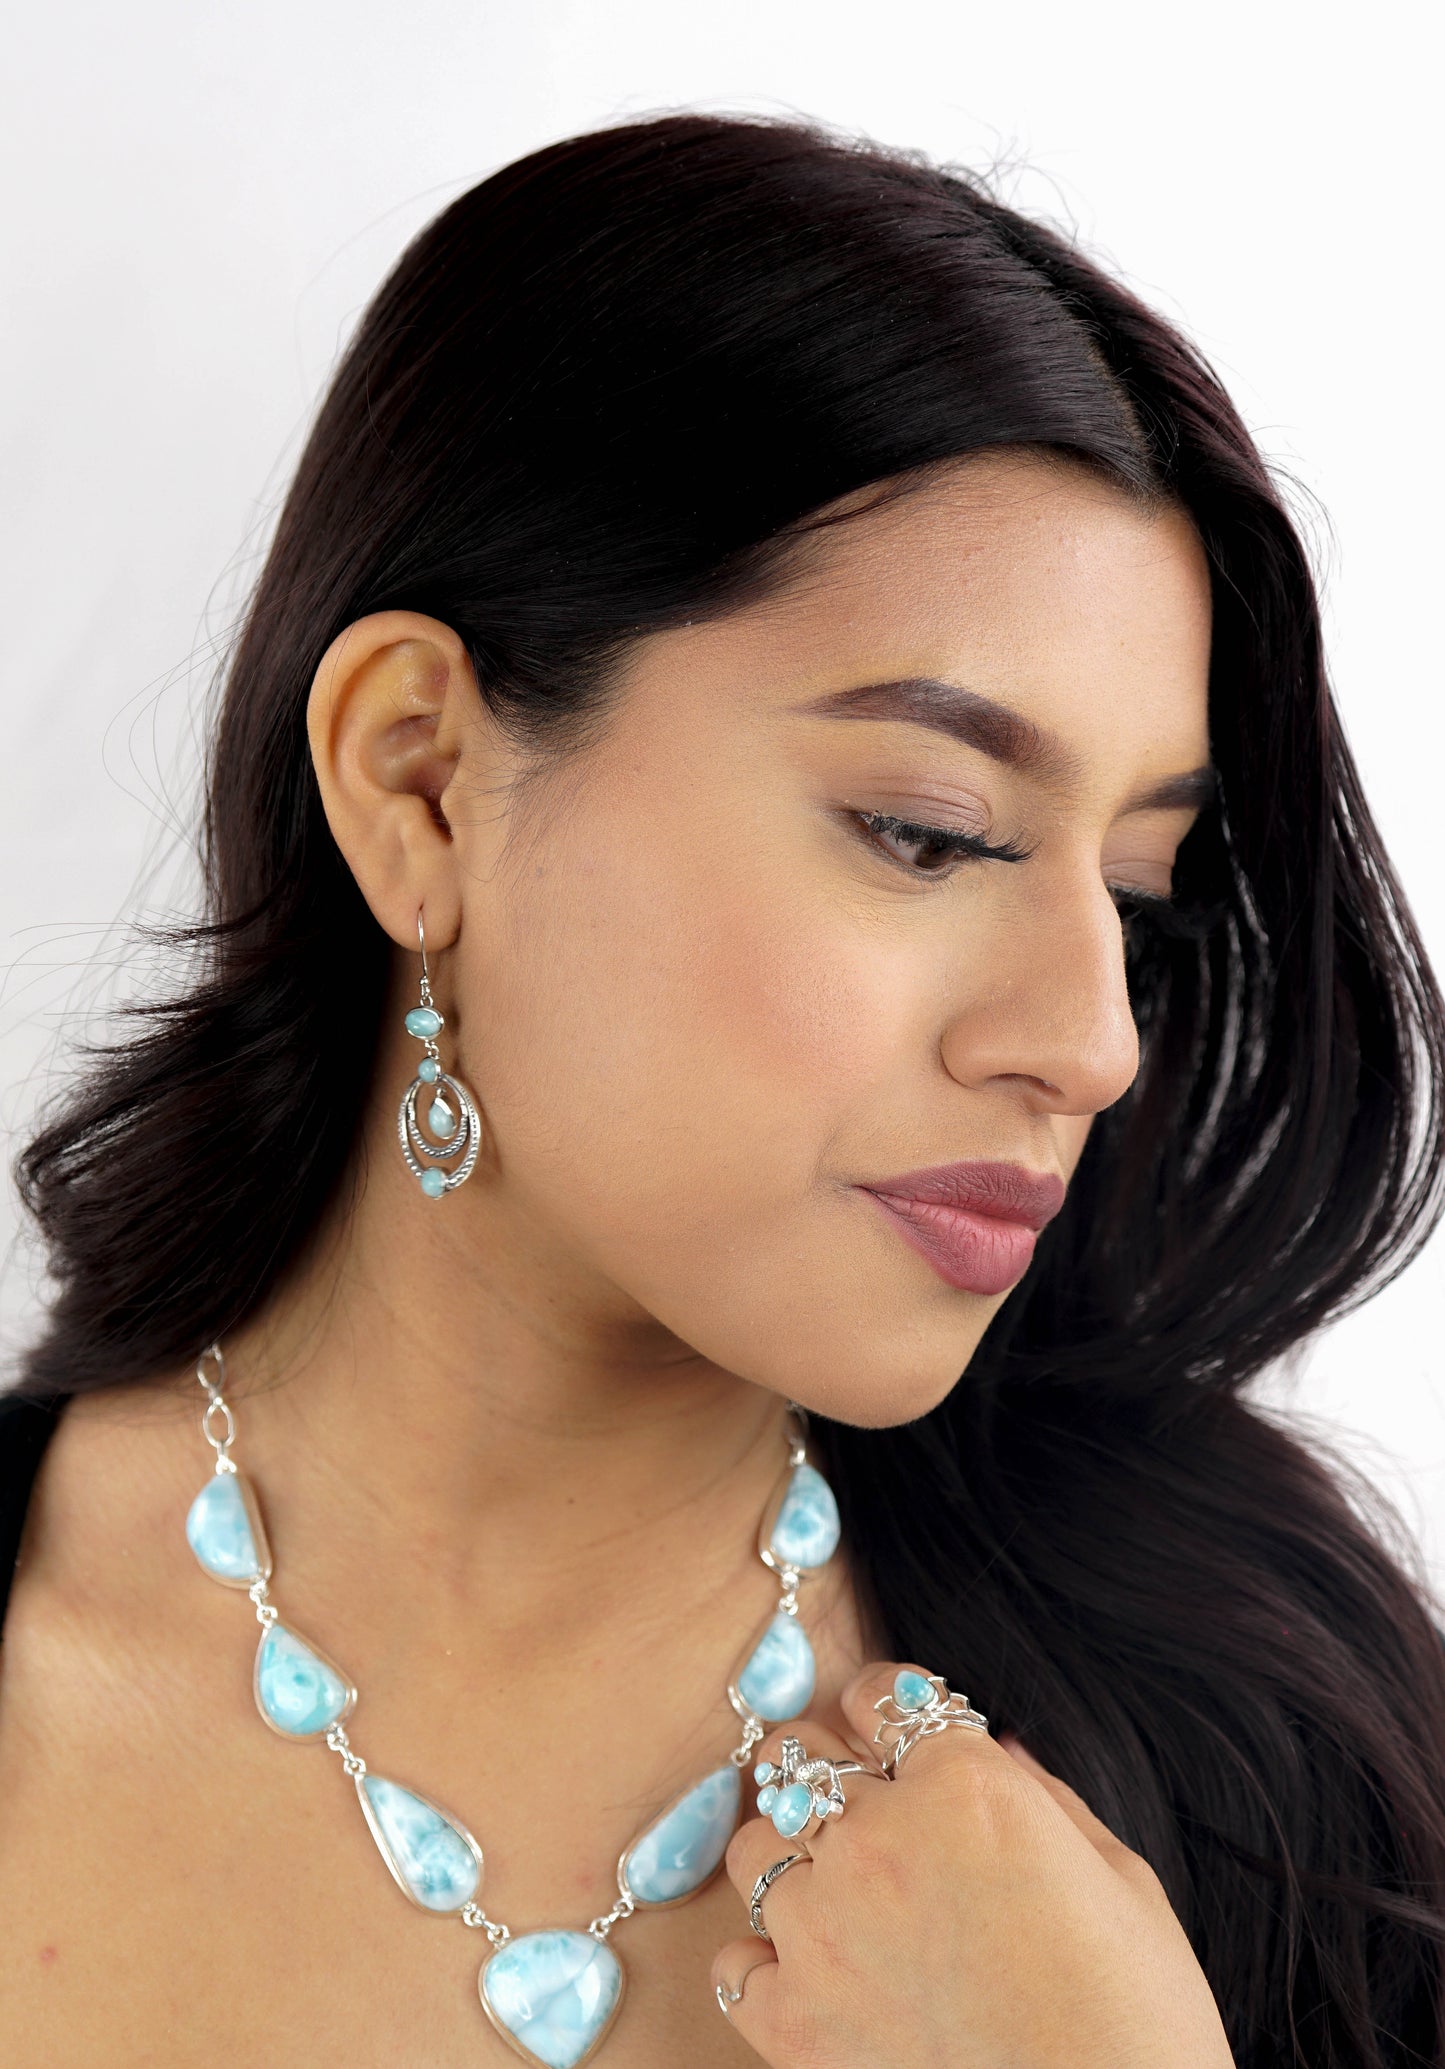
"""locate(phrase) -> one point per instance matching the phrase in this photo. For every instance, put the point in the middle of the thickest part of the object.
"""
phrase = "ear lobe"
(385, 723)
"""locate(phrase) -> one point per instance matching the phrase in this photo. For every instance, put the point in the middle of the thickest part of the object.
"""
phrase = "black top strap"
(26, 1427)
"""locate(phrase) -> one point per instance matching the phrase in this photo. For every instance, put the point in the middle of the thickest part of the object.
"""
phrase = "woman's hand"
(972, 1913)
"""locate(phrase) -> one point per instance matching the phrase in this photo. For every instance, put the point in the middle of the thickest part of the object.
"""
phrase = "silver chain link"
(266, 1611)
(624, 1907)
(475, 1916)
(339, 1743)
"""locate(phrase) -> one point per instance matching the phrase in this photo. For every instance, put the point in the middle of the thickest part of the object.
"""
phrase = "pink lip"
(976, 1223)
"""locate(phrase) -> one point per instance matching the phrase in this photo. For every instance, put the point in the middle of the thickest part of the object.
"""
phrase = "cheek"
(1071, 1132)
(685, 1032)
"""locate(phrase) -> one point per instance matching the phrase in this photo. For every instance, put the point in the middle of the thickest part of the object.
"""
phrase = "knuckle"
(994, 1796)
(1141, 1874)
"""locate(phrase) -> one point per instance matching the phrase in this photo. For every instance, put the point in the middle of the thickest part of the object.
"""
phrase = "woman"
(788, 911)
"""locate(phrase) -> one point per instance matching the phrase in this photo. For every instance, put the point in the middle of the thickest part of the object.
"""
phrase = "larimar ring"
(917, 1706)
(799, 1793)
(760, 1889)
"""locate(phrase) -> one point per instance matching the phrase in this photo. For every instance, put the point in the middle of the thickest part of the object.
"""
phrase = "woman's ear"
(386, 717)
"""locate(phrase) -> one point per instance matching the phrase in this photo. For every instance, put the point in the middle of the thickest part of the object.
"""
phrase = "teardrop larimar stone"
(220, 1533)
(677, 1855)
(552, 1994)
(912, 1691)
(298, 1690)
(777, 1681)
(806, 1528)
(440, 1118)
(432, 1856)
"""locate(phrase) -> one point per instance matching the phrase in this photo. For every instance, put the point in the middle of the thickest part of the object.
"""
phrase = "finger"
(752, 1850)
(948, 1752)
(744, 1979)
(1099, 1835)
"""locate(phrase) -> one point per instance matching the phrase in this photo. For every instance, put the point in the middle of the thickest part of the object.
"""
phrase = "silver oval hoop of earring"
(455, 1129)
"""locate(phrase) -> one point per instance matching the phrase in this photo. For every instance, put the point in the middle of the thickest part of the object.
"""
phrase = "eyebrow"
(998, 731)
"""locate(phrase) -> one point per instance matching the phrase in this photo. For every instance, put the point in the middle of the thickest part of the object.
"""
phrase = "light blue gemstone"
(433, 1184)
(423, 1022)
(777, 1681)
(807, 1530)
(432, 1858)
(792, 1810)
(428, 1070)
(219, 1530)
(766, 1799)
(912, 1691)
(555, 1992)
(764, 1771)
(683, 1848)
(298, 1692)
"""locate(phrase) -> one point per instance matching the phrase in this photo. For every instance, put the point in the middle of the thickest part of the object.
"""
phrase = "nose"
(1048, 1011)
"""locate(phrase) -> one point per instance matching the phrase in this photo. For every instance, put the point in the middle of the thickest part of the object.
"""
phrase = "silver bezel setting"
(745, 1709)
(671, 1903)
(300, 1738)
(769, 1524)
(519, 2047)
(265, 1566)
(384, 1848)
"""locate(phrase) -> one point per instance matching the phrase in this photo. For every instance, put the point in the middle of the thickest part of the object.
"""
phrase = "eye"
(1144, 912)
(943, 846)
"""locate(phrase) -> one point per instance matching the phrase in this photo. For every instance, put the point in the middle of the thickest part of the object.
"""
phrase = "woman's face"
(704, 1008)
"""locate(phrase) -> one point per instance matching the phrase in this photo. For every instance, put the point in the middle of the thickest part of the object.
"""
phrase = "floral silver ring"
(800, 1793)
(916, 1707)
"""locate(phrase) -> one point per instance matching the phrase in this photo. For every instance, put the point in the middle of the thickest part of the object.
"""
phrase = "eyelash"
(1132, 905)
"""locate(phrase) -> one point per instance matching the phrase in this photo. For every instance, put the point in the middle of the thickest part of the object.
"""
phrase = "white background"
(200, 199)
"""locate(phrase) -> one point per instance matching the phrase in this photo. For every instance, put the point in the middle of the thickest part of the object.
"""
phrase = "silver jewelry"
(761, 1887)
(799, 1793)
(916, 1707)
(557, 1988)
(456, 1130)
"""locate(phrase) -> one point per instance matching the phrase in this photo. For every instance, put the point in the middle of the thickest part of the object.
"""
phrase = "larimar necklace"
(552, 1995)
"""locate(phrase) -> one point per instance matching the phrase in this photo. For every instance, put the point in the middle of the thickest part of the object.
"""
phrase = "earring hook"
(421, 937)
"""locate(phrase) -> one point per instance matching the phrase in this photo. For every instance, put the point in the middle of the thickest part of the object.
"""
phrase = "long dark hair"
(599, 395)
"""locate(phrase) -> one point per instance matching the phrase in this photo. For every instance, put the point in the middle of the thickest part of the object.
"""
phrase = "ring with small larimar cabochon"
(799, 1793)
(917, 1706)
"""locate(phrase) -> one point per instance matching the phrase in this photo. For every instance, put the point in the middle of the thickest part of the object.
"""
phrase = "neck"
(431, 1388)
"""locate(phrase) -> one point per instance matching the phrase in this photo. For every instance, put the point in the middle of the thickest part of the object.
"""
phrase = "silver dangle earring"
(455, 1129)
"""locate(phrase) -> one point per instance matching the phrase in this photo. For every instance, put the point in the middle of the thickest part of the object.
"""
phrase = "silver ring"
(760, 1889)
(916, 1707)
(799, 1793)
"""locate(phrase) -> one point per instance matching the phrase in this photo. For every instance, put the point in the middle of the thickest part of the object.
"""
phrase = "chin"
(870, 1404)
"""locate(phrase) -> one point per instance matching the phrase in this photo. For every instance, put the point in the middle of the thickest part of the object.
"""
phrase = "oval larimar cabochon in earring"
(682, 1849)
(299, 1689)
(800, 1527)
(225, 1531)
(433, 1858)
(776, 1677)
